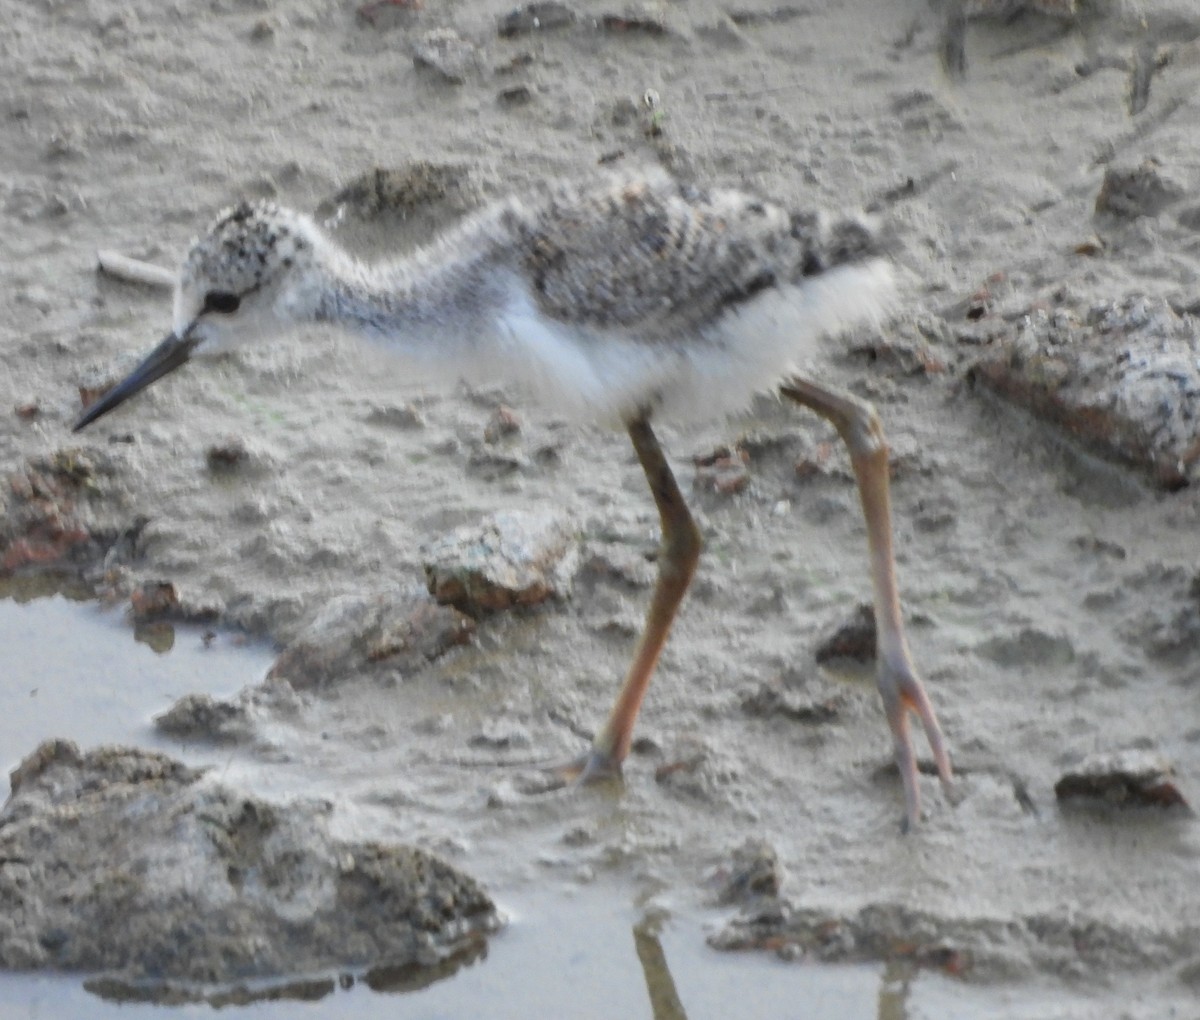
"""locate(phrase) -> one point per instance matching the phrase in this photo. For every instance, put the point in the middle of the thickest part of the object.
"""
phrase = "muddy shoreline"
(1046, 545)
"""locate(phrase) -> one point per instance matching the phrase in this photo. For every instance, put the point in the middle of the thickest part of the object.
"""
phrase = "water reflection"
(126, 993)
(157, 635)
(73, 671)
(25, 588)
(894, 988)
(77, 670)
(413, 977)
(664, 999)
(801, 984)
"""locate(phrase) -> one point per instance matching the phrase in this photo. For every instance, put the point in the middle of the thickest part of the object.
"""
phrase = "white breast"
(593, 375)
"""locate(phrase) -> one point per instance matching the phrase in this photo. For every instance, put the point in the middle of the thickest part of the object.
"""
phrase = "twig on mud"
(122, 267)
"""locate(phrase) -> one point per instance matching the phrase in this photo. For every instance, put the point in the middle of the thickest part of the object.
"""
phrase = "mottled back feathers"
(655, 254)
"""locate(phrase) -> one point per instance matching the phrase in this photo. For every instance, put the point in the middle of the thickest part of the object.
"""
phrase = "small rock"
(1137, 191)
(681, 766)
(579, 835)
(396, 417)
(752, 873)
(515, 95)
(855, 639)
(979, 304)
(443, 50)
(817, 461)
(501, 735)
(512, 558)
(516, 63)
(202, 717)
(535, 17)
(1123, 779)
(645, 22)
(724, 471)
(227, 455)
(403, 631)
(154, 600)
(503, 423)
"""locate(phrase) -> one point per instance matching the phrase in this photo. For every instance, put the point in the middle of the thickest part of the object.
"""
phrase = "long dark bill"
(169, 355)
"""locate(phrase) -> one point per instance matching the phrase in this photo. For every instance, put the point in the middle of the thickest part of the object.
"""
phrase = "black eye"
(221, 301)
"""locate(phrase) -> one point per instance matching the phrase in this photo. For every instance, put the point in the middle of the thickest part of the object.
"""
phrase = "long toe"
(903, 693)
(592, 767)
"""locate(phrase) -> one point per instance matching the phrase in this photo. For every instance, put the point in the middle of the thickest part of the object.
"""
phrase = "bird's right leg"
(681, 545)
(860, 428)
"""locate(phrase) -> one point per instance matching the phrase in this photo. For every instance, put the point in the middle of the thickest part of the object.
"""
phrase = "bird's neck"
(408, 302)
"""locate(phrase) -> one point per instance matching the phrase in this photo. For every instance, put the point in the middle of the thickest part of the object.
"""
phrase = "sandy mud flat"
(1040, 387)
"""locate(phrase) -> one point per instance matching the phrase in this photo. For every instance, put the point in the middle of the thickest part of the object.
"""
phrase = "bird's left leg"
(680, 553)
(860, 428)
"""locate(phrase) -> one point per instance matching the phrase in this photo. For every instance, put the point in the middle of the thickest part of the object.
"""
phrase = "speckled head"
(235, 276)
(245, 279)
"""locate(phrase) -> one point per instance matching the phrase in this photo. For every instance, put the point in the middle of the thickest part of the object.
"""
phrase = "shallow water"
(76, 670)
(596, 965)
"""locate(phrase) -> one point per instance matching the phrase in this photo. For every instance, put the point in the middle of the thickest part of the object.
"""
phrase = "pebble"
(535, 17)
(512, 558)
(1122, 779)
(447, 53)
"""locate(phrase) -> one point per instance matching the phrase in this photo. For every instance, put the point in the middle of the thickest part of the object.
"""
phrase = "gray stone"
(126, 861)
(511, 558)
